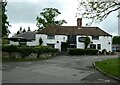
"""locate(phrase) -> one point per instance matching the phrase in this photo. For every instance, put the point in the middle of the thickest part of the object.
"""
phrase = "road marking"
(104, 80)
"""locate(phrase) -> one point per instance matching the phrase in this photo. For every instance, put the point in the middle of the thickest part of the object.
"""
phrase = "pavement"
(60, 69)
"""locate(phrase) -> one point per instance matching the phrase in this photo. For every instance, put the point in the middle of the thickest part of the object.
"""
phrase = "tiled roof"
(73, 30)
(26, 35)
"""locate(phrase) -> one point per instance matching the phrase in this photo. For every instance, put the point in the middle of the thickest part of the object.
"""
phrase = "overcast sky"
(24, 12)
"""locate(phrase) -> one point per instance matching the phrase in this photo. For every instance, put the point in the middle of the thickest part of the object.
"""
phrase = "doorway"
(64, 47)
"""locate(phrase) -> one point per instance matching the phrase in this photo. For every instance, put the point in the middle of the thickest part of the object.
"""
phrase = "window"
(22, 43)
(81, 39)
(51, 45)
(72, 39)
(93, 46)
(50, 36)
(95, 37)
(98, 46)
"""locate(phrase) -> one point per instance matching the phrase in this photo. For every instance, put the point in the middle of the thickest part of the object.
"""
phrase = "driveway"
(60, 69)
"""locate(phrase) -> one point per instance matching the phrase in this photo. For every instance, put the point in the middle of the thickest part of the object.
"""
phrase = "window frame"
(95, 37)
(50, 36)
(22, 43)
(83, 39)
(93, 46)
(98, 46)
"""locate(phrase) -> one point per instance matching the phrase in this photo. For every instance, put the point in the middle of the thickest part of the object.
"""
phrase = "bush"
(44, 49)
(11, 48)
(40, 41)
(104, 51)
(27, 50)
(99, 52)
(82, 51)
(112, 53)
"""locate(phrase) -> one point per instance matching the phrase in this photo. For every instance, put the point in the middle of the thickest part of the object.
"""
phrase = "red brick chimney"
(79, 23)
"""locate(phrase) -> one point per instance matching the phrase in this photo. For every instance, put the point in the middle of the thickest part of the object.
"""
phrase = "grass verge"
(110, 66)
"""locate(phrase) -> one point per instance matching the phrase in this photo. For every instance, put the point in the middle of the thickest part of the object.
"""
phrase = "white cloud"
(35, 1)
(16, 26)
(68, 8)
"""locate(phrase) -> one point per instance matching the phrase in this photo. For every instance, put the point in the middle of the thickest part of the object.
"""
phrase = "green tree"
(24, 30)
(47, 17)
(116, 40)
(87, 42)
(29, 29)
(97, 10)
(18, 32)
(5, 23)
(20, 29)
(40, 41)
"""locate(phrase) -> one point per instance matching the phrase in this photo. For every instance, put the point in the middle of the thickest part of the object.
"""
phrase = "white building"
(62, 37)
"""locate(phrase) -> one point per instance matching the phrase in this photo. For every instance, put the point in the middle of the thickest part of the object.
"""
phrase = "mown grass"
(111, 66)
(21, 59)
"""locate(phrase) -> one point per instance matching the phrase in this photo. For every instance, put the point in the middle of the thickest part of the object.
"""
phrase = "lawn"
(111, 66)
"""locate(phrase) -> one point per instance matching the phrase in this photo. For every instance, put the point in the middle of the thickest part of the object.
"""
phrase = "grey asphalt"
(60, 69)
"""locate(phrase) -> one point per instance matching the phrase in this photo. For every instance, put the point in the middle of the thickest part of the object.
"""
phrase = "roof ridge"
(72, 30)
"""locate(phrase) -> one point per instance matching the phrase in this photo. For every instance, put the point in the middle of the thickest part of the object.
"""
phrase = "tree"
(20, 29)
(29, 29)
(24, 30)
(116, 40)
(5, 23)
(87, 42)
(97, 10)
(40, 41)
(47, 17)
(18, 32)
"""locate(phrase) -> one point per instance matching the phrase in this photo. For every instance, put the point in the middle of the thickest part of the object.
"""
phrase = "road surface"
(60, 69)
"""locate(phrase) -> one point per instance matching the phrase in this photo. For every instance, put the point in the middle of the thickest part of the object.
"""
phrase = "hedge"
(11, 48)
(74, 51)
(27, 50)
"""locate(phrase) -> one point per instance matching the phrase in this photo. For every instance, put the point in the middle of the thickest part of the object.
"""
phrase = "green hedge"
(11, 48)
(74, 51)
(27, 50)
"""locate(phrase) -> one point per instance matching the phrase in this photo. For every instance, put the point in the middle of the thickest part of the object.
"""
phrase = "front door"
(64, 47)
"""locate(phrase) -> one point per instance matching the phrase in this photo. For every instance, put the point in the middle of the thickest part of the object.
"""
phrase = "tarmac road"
(60, 69)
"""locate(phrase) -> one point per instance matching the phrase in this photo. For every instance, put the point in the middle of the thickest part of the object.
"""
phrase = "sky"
(23, 13)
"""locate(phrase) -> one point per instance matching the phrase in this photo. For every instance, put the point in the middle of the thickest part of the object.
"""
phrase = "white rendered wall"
(33, 43)
(105, 41)
(60, 38)
(14, 43)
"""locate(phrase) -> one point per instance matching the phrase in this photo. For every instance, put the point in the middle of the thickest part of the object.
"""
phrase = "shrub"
(112, 53)
(40, 41)
(82, 51)
(87, 42)
(44, 49)
(99, 52)
(27, 50)
(104, 51)
(11, 48)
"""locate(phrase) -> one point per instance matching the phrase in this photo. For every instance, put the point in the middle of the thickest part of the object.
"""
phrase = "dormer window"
(50, 36)
(95, 37)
